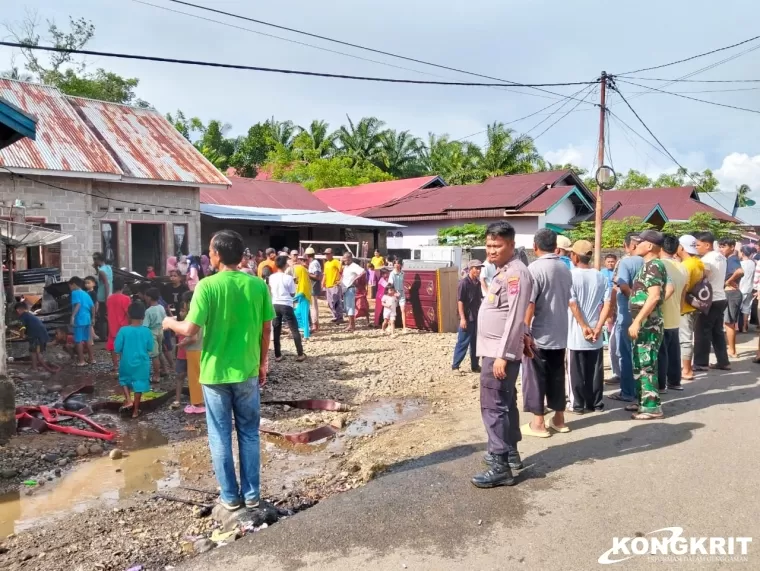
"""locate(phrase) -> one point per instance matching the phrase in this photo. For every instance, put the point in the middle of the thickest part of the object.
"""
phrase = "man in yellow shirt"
(377, 260)
(695, 271)
(331, 285)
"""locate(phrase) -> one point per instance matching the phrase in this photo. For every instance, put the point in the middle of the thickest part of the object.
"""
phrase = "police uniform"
(501, 331)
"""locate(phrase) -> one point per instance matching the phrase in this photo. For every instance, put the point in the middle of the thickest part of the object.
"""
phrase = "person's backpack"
(701, 296)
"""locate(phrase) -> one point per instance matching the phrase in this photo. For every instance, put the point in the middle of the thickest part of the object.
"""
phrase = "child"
(117, 306)
(35, 332)
(151, 273)
(91, 287)
(390, 303)
(81, 320)
(371, 280)
(134, 344)
(154, 316)
(173, 291)
(65, 340)
(191, 347)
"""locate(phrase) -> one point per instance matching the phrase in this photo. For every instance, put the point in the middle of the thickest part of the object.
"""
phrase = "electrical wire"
(705, 91)
(675, 94)
(266, 69)
(316, 47)
(682, 60)
(591, 90)
(693, 80)
(357, 46)
(645, 156)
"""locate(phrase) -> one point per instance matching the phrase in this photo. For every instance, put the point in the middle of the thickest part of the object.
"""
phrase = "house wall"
(418, 234)
(560, 214)
(81, 210)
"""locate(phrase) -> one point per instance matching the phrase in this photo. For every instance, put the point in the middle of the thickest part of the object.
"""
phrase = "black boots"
(513, 459)
(498, 473)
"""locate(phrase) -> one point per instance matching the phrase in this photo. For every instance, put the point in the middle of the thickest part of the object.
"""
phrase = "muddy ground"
(94, 512)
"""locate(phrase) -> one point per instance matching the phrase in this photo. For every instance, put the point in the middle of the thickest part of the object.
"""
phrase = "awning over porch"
(292, 217)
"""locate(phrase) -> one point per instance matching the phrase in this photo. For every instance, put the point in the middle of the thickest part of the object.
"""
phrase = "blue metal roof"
(15, 124)
(290, 216)
(725, 201)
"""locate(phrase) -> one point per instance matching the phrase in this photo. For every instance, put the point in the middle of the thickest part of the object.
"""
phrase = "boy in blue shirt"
(35, 332)
(81, 320)
(134, 344)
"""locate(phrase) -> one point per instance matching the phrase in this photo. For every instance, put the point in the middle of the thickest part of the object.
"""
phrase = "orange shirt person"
(267, 262)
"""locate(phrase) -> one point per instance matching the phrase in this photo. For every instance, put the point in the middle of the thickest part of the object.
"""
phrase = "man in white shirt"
(283, 288)
(315, 275)
(708, 330)
(351, 272)
(746, 285)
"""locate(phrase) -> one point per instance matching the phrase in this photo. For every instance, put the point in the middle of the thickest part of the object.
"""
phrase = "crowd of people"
(662, 308)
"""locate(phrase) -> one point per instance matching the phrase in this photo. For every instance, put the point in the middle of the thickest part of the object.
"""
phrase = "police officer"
(502, 339)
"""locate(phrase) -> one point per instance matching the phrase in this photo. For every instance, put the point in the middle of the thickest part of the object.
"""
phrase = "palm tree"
(742, 195)
(316, 142)
(282, 132)
(398, 152)
(361, 142)
(463, 164)
(507, 154)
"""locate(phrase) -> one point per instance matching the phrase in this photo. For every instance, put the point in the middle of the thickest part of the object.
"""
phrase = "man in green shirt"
(235, 311)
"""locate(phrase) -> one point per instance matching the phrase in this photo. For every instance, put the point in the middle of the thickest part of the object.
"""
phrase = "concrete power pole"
(600, 162)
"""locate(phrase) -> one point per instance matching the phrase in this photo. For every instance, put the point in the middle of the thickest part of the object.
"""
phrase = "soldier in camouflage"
(646, 331)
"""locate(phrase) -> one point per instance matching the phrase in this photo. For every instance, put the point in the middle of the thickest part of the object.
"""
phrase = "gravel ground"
(395, 387)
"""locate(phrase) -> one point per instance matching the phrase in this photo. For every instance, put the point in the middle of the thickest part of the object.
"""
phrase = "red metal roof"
(503, 192)
(677, 203)
(91, 137)
(360, 199)
(264, 194)
(63, 142)
(546, 199)
(146, 145)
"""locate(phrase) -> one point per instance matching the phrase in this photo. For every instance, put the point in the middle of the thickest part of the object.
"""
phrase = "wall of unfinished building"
(87, 204)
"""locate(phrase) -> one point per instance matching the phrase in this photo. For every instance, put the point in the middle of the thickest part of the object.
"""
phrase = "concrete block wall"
(81, 209)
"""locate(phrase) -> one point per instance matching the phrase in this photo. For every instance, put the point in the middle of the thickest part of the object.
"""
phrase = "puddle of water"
(376, 415)
(95, 482)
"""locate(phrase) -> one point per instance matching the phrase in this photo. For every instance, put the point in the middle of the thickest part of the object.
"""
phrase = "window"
(180, 240)
(109, 241)
(44, 256)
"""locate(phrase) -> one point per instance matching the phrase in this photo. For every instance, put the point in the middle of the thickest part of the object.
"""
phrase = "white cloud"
(580, 156)
(739, 168)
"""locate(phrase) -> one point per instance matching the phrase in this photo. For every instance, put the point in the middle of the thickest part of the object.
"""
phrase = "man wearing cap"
(695, 271)
(547, 318)
(563, 250)
(469, 297)
(626, 270)
(646, 330)
(589, 308)
(331, 285)
(267, 263)
(351, 272)
(315, 275)
(501, 344)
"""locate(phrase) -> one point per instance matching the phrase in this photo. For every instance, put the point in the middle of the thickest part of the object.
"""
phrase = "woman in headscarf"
(182, 265)
(244, 265)
(205, 265)
(171, 264)
(194, 272)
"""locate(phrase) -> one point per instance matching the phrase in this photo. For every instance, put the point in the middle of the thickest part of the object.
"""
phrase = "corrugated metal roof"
(546, 199)
(643, 211)
(507, 192)
(290, 216)
(146, 145)
(362, 198)
(677, 203)
(264, 194)
(63, 142)
(723, 201)
(749, 215)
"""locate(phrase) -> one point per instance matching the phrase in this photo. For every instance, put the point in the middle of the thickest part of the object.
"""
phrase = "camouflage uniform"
(647, 345)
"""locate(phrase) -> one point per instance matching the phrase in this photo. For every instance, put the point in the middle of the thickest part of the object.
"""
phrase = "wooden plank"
(448, 281)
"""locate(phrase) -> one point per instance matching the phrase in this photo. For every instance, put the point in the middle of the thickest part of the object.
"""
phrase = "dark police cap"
(653, 237)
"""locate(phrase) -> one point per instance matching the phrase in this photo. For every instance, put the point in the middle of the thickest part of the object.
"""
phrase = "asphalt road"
(610, 477)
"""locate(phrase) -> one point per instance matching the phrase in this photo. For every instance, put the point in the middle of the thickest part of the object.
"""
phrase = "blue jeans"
(222, 401)
(625, 351)
(466, 338)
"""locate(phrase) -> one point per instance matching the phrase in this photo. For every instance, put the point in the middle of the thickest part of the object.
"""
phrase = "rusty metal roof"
(146, 145)
(264, 194)
(102, 140)
(64, 143)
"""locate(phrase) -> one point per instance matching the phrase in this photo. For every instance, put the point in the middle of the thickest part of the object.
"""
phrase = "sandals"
(715, 367)
(560, 429)
(632, 408)
(526, 430)
(647, 416)
(618, 397)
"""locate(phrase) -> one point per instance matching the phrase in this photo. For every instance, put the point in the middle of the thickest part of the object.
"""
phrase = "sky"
(532, 41)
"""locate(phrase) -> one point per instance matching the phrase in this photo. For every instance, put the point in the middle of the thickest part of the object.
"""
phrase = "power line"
(704, 90)
(316, 47)
(591, 90)
(626, 127)
(694, 80)
(357, 46)
(675, 94)
(681, 60)
(265, 69)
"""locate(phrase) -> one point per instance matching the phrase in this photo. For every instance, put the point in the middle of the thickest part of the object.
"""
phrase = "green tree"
(188, 127)
(282, 132)
(742, 192)
(331, 172)
(316, 142)
(508, 154)
(581, 172)
(613, 231)
(634, 180)
(63, 70)
(399, 153)
(465, 235)
(361, 142)
(700, 222)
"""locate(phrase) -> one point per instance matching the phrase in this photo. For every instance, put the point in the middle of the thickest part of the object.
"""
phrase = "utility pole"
(600, 162)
